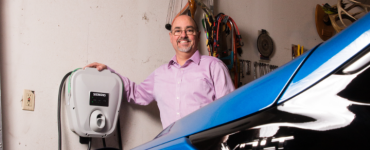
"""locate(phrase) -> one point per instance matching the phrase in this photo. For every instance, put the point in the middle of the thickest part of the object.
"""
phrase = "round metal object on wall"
(323, 24)
(264, 44)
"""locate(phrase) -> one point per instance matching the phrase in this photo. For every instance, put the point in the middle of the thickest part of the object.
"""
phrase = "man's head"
(184, 34)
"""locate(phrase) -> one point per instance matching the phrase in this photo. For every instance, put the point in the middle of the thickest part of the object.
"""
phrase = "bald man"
(189, 81)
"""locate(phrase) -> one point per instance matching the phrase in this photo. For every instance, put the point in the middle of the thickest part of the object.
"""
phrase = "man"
(188, 82)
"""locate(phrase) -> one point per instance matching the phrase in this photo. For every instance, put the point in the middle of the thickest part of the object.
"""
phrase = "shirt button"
(178, 82)
(177, 97)
(178, 113)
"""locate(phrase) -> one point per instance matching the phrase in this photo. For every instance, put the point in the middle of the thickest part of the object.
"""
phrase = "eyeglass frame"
(192, 28)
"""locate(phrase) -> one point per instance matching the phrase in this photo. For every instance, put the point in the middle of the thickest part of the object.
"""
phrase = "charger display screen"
(99, 99)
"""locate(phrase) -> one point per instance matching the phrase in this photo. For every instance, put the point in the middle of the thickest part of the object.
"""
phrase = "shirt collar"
(172, 61)
(195, 58)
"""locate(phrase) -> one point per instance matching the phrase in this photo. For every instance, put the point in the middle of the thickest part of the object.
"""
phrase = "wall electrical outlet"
(28, 102)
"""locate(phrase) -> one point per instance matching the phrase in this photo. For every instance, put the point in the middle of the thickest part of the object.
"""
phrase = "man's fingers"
(92, 65)
(96, 65)
(99, 68)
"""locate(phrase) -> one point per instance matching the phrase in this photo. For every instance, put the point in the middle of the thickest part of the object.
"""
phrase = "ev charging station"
(92, 99)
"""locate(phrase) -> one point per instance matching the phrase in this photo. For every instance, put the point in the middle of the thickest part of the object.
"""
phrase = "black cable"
(59, 101)
(104, 142)
(119, 134)
(89, 147)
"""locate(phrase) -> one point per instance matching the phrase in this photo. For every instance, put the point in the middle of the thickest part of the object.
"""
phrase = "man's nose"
(183, 34)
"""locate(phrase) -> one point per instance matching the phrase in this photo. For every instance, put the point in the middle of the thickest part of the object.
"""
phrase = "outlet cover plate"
(28, 102)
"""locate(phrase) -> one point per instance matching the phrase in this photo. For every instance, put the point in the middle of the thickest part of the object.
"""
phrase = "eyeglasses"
(187, 32)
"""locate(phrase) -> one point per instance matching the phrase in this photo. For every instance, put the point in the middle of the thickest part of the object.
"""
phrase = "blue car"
(319, 100)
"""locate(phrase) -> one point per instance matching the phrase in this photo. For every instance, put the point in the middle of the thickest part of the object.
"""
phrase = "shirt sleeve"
(142, 93)
(221, 79)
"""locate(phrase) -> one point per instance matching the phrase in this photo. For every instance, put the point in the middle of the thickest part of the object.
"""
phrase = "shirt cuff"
(111, 70)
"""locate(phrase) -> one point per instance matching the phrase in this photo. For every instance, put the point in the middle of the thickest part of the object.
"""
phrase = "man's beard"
(184, 49)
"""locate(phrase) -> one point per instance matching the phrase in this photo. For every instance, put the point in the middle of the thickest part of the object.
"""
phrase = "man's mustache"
(187, 39)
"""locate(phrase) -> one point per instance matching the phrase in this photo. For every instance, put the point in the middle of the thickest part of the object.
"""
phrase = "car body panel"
(320, 118)
(329, 56)
(181, 143)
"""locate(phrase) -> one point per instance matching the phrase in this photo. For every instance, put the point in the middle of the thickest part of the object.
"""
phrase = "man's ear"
(170, 36)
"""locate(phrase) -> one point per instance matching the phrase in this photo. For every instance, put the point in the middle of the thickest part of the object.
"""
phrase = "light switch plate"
(28, 102)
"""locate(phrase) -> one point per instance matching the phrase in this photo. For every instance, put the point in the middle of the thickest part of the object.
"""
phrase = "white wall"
(42, 40)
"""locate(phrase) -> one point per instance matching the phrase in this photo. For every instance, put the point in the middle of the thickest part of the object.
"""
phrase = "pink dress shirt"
(181, 90)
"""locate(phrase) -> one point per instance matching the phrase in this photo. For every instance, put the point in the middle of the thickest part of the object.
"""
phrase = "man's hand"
(96, 65)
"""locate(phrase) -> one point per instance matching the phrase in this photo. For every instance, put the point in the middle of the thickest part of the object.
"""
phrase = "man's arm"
(221, 79)
(141, 94)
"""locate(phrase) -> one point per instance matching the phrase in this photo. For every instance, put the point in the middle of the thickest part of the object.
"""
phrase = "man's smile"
(183, 41)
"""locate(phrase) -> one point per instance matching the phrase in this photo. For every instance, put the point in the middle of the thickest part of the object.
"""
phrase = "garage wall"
(42, 40)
